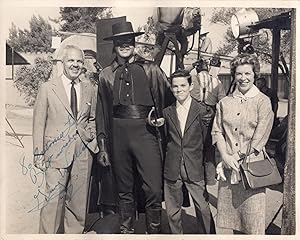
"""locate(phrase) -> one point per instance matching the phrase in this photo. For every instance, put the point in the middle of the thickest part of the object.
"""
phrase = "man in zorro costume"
(129, 90)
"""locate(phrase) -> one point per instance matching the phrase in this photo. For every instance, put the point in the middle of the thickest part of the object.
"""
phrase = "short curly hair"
(245, 58)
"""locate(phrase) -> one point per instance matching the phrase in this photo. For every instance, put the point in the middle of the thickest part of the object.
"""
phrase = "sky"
(20, 16)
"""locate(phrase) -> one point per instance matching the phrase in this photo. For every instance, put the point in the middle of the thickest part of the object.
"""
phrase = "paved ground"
(23, 184)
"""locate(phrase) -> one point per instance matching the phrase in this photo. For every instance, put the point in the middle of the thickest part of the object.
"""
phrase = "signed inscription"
(37, 177)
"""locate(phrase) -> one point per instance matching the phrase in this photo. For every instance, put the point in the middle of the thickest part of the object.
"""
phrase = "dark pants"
(136, 147)
(181, 38)
(174, 199)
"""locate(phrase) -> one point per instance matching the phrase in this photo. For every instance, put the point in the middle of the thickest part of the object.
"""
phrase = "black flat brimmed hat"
(122, 29)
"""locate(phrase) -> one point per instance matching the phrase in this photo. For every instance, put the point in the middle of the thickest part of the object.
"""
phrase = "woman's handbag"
(260, 173)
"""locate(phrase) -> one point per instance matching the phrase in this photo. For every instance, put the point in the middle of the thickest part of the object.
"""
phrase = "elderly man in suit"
(64, 140)
(186, 122)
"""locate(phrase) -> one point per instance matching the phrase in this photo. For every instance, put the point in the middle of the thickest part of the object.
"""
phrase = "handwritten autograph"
(37, 176)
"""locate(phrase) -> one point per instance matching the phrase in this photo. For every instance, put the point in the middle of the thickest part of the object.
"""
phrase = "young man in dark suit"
(186, 124)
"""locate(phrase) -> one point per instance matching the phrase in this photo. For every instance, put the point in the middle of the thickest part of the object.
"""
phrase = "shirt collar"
(68, 81)
(250, 94)
(186, 104)
(115, 64)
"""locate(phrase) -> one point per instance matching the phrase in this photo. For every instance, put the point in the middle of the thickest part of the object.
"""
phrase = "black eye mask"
(124, 42)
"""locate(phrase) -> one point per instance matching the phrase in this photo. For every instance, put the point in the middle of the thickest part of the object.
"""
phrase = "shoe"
(153, 221)
(125, 230)
(127, 211)
(108, 210)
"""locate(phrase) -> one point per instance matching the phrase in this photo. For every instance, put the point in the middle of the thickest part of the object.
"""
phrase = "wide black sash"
(131, 111)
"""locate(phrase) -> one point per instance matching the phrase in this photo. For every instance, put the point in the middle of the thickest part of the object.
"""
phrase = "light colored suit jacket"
(56, 132)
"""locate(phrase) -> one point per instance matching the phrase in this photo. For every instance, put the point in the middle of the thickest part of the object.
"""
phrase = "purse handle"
(248, 155)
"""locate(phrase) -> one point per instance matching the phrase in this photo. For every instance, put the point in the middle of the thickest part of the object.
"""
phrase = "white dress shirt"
(68, 84)
(182, 112)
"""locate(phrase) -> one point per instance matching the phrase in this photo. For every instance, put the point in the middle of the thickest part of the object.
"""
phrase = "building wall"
(13, 96)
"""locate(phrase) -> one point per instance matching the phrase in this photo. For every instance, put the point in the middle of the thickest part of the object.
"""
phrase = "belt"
(131, 111)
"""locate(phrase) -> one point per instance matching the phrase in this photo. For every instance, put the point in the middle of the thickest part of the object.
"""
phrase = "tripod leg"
(160, 55)
(179, 59)
(15, 134)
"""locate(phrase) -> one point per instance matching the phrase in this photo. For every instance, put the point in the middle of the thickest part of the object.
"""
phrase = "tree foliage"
(261, 43)
(29, 78)
(82, 19)
(150, 30)
(36, 38)
(13, 37)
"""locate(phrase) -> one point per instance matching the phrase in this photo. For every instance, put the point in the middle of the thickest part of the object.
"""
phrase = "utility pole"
(289, 212)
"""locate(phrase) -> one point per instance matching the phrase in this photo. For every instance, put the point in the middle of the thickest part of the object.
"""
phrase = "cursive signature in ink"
(36, 176)
(63, 134)
(59, 191)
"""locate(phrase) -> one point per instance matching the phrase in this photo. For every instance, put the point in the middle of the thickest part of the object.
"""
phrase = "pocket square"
(88, 103)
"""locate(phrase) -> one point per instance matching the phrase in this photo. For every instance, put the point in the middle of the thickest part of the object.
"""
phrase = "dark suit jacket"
(188, 148)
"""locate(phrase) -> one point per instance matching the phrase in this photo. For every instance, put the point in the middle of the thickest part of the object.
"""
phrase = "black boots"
(153, 221)
(127, 215)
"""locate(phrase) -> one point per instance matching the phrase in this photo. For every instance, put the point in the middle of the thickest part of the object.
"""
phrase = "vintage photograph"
(149, 119)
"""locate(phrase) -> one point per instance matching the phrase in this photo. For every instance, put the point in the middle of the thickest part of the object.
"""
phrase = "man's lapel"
(174, 118)
(193, 113)
(60, 92)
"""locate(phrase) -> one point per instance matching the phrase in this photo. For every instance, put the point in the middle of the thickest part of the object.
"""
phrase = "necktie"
(73, 99)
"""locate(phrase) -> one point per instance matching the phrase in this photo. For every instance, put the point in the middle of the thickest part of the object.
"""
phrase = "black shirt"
(131, 86)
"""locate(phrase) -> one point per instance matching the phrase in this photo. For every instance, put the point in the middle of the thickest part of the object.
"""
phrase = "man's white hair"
(68, 47)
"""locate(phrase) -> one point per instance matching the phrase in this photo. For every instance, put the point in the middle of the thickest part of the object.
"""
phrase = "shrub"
(29, 78)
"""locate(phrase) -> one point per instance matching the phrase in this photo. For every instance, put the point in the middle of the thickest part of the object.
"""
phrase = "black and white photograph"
(148, 119)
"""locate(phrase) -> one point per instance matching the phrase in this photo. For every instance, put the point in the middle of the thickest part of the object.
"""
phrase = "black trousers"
(136, 147)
